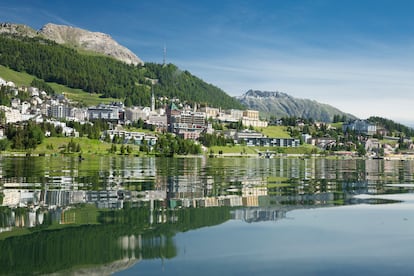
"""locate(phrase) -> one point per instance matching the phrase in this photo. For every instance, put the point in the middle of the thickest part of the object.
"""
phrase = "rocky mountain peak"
(77, 38)
(90, 41)
(264, 94)
(17, 29)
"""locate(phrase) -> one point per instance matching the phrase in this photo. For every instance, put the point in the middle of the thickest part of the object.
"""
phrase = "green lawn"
(234, 149)
(337, 125)
(303, 149)
(54, 145)
(275, 132)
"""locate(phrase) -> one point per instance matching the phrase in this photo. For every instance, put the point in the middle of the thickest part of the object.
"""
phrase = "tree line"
(392, 126)
(51, 62)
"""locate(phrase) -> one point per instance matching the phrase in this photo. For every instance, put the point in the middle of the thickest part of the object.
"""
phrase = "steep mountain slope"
(280, 104)
(90, 41)
(77, 38)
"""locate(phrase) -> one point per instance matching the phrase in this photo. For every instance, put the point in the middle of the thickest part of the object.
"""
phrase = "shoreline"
(224, 155)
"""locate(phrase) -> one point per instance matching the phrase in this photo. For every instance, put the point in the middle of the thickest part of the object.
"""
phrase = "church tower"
(152, 101)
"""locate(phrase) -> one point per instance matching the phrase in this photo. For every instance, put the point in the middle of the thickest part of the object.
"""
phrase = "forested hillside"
(391, 126)
(51, 62)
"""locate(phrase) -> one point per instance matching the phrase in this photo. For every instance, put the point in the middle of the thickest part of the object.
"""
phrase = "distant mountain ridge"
(76, 38)
(279, 104)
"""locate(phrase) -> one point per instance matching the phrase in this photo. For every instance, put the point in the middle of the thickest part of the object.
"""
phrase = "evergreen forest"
(51, 62)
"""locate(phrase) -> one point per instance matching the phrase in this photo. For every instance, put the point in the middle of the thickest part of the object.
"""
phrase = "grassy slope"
(275, 132)
(20, 79)
(78, 95)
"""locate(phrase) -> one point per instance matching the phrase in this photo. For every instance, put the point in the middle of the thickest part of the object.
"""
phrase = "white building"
(135, 113)
(24, 107)
(12, 115)
(78, 114)
(106, 112)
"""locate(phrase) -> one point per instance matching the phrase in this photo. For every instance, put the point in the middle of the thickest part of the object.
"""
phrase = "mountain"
(77, 38)
(24, 50)
(17, 29)
(90, 41)
(279, 104)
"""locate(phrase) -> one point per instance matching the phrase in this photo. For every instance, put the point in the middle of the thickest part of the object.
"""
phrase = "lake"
(206, 216)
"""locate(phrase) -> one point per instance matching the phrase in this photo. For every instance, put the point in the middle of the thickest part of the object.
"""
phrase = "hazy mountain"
(280, 104)
(76, 38)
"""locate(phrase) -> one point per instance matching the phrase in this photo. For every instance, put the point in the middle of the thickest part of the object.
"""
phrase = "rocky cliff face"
(280, 104)
(90, 41)
(77, 38)
(17, 29)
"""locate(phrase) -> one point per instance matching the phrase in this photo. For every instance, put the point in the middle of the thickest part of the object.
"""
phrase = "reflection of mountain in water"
(104, 215)
(118, 239)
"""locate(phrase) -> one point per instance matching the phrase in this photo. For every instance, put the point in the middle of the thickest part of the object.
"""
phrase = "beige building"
(12, 115)
(210, 111)
(247, 122)
(251, 114)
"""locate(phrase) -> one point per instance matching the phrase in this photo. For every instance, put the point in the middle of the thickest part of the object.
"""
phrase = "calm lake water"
(205, 216)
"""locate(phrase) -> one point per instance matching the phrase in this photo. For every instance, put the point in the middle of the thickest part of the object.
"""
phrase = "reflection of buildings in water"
(374, 170)
(259, 214)
(51, 199)
(27, 218)
(129, 244)
(5, 229)
(207, 202)
(189, 186)
(279, 208)
(399, 170)
(55, 201)
(151, 195)
(388, 170)
(250, 201)
(254, 191)
(219, 201)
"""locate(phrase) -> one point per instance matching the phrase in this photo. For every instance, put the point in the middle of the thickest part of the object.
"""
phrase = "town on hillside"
(19, 105)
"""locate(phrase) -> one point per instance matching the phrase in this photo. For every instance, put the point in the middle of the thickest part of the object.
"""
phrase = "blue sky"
(354, 55)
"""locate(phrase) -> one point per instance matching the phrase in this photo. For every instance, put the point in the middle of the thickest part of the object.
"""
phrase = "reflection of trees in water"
(121, 235)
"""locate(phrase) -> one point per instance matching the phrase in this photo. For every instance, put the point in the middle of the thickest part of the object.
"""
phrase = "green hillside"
(104, 76)
(78, 95)
(19, 78)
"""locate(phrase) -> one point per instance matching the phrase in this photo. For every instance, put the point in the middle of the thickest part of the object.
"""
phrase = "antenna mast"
(165, 55)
